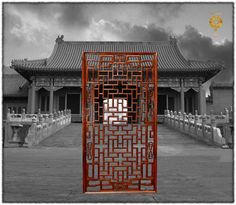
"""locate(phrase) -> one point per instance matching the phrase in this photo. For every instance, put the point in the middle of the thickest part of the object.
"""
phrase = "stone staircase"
(71, 136)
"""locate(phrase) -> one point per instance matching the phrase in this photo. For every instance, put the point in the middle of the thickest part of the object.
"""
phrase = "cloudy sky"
(30, 30)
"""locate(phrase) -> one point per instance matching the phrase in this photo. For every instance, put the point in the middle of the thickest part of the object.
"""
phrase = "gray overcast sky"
(30, 30)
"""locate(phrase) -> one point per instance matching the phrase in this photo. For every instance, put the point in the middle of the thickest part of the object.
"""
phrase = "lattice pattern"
(119, 122)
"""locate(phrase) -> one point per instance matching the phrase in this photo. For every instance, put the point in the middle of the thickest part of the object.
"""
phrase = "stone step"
(71, 136)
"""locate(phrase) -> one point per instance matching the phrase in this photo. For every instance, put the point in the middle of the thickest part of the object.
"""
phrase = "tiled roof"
(14, 85)
(67, 56)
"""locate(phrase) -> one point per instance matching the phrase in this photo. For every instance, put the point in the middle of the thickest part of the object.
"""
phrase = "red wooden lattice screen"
(119, 122)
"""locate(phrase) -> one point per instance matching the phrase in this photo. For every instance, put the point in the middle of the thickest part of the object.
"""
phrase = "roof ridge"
(179, 53)
(122, 42)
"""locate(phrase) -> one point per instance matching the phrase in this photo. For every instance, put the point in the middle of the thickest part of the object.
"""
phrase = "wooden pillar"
(182, 95)
(202, 100)
(32, 108)
(51, 97)
(167, 102)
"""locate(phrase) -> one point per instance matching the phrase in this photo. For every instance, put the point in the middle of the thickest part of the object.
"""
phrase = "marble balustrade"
(35, 127)
(213, 129)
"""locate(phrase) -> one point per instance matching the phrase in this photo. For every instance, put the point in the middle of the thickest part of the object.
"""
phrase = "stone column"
(51, 97)
(32, 109)
(202, 100)
(182, 95)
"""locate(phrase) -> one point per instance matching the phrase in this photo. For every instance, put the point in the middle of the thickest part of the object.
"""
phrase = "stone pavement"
(188, 171)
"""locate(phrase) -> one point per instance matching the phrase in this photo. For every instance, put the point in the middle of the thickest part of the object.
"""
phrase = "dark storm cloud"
(166, 12)
(127, 32)
(73, 14)
(148, 33)
(196, 46)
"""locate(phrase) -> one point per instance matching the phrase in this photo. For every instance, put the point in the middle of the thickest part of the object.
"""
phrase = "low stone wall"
(32, 129)
(205, 128)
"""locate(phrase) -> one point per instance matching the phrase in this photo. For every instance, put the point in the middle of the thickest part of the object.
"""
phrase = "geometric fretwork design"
(119, 122)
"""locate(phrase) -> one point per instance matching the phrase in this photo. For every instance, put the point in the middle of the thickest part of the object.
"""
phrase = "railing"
(30, 129)
(213, 129)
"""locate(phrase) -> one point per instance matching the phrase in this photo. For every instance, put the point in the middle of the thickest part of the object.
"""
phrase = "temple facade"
(55, 82)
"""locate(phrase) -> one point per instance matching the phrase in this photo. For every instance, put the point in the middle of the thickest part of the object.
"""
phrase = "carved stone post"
(179, 116)
(227, 115)
(184, 118)
(213, 125)
(46, 118)
(50, 117)
(168, 116)
(195, 122)
(40, 119)
(23, 114)
(203, 124)
(8, 114)
(171, 118)
(189, 122)
(175, 119)
(55, 115)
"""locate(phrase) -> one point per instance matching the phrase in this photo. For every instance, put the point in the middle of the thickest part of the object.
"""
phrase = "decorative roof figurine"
(60, 39)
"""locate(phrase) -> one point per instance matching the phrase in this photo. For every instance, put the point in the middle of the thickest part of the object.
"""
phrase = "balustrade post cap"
(213, 119)
(40, 117)
(204, 116)
(34, 120)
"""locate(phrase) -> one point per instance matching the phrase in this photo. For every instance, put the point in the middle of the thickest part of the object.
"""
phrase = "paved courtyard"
(188, 171)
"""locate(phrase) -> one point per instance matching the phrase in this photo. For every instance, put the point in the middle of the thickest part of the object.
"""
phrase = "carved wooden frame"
(119, 157)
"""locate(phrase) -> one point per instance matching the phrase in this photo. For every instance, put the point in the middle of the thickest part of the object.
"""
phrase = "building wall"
(13, 103)
(221, 98)
(64, 93)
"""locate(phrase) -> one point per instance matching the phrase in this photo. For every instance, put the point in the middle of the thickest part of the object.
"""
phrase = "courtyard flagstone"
(188, 171)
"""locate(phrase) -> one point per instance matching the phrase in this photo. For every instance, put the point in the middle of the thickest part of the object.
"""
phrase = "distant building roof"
(67, 56)
(8, 70)
(14, 85)
(222, 84)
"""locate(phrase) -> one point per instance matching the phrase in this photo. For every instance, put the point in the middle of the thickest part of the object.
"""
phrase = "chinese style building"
(226, 100)
(15, 91)
(55, 82)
